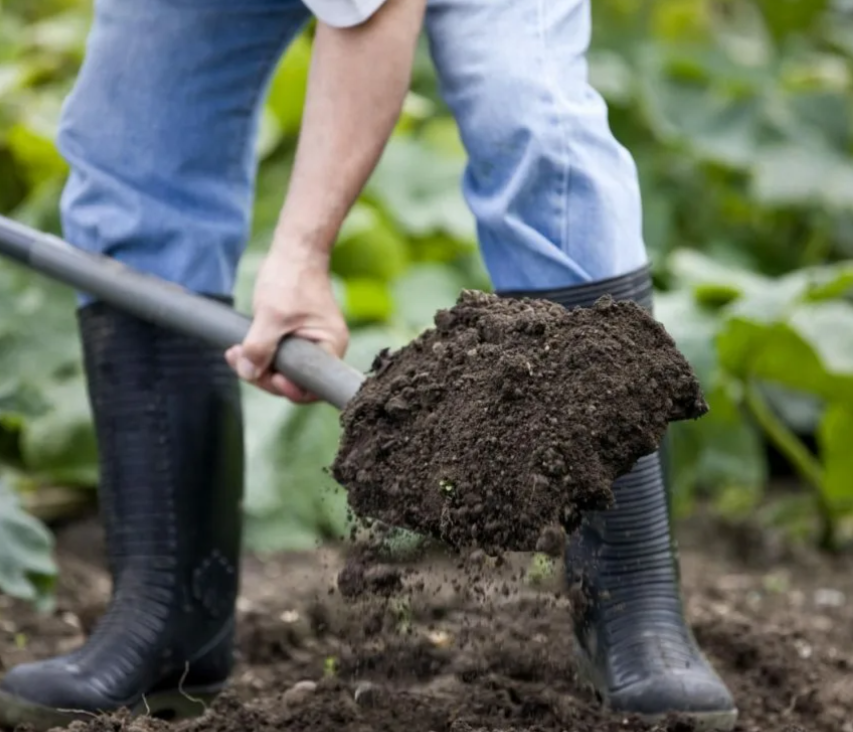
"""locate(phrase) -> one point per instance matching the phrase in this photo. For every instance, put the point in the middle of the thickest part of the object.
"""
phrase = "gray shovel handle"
(157, 301)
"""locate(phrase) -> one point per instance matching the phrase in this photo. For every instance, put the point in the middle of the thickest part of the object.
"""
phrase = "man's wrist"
(308, 245)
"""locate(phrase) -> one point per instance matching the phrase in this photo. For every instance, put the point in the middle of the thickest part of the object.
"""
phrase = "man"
(159, 134)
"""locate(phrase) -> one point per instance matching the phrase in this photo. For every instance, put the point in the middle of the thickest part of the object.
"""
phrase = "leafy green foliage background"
(738, 113)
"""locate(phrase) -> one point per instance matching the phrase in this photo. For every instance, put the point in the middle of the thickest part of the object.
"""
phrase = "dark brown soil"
(490, 657)
(511, 416)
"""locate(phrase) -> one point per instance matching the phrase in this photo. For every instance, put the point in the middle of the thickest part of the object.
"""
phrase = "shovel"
(170, 306)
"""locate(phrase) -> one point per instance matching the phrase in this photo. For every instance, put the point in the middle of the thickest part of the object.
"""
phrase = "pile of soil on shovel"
(444, 657)
(509, 417)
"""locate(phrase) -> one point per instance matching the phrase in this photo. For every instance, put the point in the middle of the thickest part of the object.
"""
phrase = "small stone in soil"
(299, 692)
(366, 694)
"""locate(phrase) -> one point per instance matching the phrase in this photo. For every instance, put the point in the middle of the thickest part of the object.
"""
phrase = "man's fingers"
(289, 390)
(274, 383)
(258, 348)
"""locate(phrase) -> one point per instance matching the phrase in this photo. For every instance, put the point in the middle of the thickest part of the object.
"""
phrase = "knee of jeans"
(500, 117)
(520, 112)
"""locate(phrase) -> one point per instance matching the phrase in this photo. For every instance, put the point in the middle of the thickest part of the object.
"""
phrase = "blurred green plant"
(775, 355)
(738, 114)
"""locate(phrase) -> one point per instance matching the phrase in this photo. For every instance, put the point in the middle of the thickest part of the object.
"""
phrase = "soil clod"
(511, 415)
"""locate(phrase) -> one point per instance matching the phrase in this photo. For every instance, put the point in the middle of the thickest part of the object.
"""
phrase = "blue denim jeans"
(159, 132)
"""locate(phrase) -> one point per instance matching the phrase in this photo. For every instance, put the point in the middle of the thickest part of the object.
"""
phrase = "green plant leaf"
(442, 135)
(790, 17)
(421, 190)
(722, 451)
(835, 437)
(810, 350)
(27, 568)
(296, 498)
(423, 290)
(790, 175)
(714, 282)
(59, 446)
(289, 86)
(367, 300)
(368, 247)
(693, 327)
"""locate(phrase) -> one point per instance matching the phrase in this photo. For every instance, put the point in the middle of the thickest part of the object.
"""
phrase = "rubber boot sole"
(169, 705)
(712, 721)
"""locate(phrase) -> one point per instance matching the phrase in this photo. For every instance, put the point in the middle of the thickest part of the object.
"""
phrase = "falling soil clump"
(509, 416)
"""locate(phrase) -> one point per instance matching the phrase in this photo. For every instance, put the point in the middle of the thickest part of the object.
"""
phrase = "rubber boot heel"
(710, 721)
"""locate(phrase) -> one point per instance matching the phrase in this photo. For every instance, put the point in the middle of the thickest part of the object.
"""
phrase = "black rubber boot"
(169, 425)
(633, 642)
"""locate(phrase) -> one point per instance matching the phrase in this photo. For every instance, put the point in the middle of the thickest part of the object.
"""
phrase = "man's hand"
(293, 296)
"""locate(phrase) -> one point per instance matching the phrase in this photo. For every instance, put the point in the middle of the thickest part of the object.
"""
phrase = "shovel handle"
(164, 303)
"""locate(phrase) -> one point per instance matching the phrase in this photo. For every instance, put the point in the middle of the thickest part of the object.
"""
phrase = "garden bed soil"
(511, 416)
(452, 654)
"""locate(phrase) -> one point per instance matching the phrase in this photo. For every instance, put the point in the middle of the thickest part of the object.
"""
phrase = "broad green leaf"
(791, 17)
(442, 135)
(22, 401)
(722, 451)
(27, 568)
(823, 111)
(38, 332)
(693, 327)
(790, 175)
(417, 109)
(246, 274)
(307, 502)
(421, 190)
(680, 20)
(369, 248)
(441, 248)
(810, 351)
(36, 154)
(279, 532)
(59, 446)
(269, 134)
(366, 343)
(827, 327)
(611, 76)
(835, 436)
(273, 178)
(10, 78)
(423, 290)
(711, 279)
(819, 283)
(63, 33)
(367, 300)
(265, 417)
(289, 86)
(801, 412)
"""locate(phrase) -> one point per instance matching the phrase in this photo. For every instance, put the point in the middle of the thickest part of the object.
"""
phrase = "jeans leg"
(555, 196)
(159, 133)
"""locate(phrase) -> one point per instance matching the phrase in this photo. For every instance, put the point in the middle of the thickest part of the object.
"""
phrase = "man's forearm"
(358, 81)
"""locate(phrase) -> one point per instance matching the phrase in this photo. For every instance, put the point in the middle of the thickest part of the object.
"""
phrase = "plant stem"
(808, 467)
